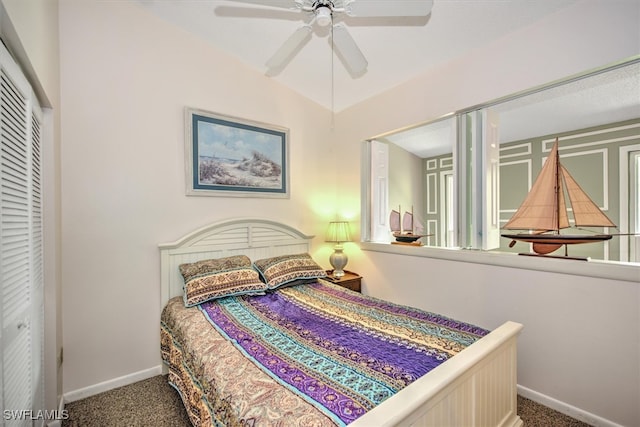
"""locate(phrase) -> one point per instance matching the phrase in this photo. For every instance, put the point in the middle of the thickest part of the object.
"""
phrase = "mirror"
(430, 167)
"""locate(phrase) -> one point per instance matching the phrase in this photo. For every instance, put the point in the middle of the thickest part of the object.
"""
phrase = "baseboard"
(58, 423)
(565, 408)
(92, 390)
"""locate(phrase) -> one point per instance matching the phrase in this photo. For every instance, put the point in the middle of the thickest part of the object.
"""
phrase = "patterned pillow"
(284, 269)
(218, 278)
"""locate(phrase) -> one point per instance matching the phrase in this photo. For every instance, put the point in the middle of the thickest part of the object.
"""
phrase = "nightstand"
(350, 280)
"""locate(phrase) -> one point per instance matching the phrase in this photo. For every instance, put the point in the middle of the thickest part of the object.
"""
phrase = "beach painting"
(234, 157)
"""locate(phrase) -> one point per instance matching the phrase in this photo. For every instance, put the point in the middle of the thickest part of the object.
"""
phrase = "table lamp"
(338, 233)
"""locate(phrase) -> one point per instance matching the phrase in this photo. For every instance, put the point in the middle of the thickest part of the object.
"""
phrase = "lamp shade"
(338, 232)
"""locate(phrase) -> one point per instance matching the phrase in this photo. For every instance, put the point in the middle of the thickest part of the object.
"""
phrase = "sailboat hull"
(559, 239)
(407, 237)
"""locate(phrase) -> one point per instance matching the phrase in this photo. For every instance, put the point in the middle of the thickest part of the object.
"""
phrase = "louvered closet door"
(20, 247)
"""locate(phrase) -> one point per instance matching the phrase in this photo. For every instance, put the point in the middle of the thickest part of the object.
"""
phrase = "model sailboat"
(545, 211)
(405, 232)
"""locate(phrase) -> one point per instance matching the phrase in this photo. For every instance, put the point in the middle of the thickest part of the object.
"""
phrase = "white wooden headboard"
(255, 238)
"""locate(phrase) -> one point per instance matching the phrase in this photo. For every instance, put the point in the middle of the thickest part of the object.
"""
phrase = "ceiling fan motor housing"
(323, 3)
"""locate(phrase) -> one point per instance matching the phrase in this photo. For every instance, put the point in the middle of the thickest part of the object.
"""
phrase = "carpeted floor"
(154, 402)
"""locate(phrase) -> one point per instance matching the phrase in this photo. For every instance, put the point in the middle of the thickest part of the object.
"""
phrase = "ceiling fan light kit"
(323, 16)
(323, 13)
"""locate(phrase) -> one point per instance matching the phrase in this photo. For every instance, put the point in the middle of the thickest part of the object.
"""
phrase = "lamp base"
(338, 260)
(337, 274)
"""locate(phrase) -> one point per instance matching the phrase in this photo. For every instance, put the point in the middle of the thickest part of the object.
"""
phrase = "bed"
(223, 380)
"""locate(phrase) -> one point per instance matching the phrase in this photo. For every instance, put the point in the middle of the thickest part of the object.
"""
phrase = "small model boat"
(404, 232)
(545, 211)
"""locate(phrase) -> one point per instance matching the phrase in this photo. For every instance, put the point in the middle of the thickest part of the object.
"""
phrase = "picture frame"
(232, 157)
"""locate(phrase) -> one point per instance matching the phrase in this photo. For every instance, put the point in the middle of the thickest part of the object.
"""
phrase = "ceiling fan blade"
(289, 48)
(372, 8)
(282, 4)
(257, 13)
(348, 50)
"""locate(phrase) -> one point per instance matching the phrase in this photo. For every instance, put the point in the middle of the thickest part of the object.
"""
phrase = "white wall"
(126, 77)
(406, 183)
(581, 341)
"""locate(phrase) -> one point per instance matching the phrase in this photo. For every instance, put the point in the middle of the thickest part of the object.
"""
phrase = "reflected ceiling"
(593, 101)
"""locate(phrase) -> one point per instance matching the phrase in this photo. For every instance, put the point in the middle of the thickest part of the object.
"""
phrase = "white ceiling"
(397, 49)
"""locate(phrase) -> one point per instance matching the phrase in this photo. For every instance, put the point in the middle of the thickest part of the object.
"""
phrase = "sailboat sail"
(545, 208)
(394, 221)
(418, 227)
(407, 222)
(585, 212)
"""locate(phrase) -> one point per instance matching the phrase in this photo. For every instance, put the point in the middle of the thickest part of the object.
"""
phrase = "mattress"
(314, 354)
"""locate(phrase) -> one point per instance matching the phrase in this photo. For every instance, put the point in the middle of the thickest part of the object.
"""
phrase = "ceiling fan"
(322, 13)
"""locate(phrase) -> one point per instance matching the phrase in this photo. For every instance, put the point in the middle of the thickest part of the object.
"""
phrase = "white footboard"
(477, 387)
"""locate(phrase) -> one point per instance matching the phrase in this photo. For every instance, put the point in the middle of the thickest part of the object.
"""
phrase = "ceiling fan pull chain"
(332, 79)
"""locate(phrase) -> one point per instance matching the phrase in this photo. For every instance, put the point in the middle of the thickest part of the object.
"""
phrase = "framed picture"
(227, 156)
